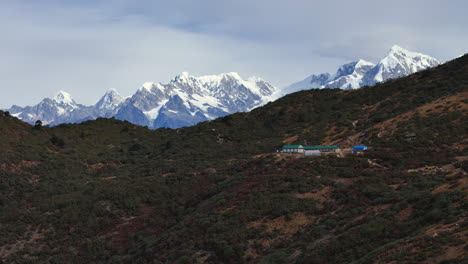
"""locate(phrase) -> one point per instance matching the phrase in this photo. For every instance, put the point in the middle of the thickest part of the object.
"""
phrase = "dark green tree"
(38, 124)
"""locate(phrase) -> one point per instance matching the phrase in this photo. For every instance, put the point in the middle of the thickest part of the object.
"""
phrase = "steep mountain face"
(311, 82)
(399, 62)
(179, 113)
(188, 100)
(184, 101)
(60, 109)
(350, 76)
(107, 105)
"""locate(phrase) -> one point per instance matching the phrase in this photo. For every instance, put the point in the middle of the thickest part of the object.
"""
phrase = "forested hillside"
(108, 191)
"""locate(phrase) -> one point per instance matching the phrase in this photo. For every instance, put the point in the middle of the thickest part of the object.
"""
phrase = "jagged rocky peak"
(149, 86)
(413, 59)
(263, 88)
(230, 76)
(206, 80)
(400, 62)
(363, 64)
(311, 82)
(224, 82)
(183, 77)
(113, 95)
(185, 100)
(349, 76)
(359, 66)
(396, 48)
(188, 99)
(110, 100)
(64, 98)
(113, 91)
(397, 63)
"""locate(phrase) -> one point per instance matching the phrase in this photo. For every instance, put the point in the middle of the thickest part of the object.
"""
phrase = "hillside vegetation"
(107, 191)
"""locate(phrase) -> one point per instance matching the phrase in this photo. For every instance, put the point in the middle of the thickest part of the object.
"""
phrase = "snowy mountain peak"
(110, 100)
(113, 91)
(255, 79)
(399, 53)
(212, 80)
(189, 99)
(184, 101)
(401, 62)
(361, 63)
(183, 77)
(63, 97)
(234, 75)
(147, 86)
(352, 67)
(397, 63)
(150, 86)
(396, 48)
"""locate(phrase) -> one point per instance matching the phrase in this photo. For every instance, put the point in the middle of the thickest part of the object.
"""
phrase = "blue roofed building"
(359, 148)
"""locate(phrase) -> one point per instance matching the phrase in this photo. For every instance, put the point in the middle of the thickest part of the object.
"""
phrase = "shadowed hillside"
(107, 191)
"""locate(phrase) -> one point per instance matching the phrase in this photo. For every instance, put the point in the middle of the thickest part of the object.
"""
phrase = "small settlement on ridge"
(318, 150)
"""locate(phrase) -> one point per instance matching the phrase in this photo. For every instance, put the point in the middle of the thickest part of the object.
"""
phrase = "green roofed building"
(332, 148)
(293, 149)
(304, 149)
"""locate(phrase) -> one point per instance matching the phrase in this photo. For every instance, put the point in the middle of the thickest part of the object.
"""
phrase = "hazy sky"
(86, 47)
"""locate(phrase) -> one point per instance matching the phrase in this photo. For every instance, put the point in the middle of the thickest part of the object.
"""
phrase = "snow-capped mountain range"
(184, 101)
(187, 100)
(399, 62)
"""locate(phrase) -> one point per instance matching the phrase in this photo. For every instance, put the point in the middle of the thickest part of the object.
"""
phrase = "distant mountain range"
(184, 101)
(187, 100)
(399, 62)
